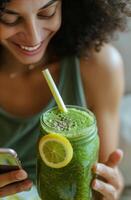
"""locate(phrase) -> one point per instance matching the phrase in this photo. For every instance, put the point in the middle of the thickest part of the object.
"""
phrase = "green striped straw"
(54, 90)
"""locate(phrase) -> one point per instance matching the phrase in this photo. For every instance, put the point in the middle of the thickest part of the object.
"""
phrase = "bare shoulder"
(102, 74)
(107, 60)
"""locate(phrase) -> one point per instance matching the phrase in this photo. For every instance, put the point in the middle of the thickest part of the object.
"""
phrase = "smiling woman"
(104, 12)
(23, 32)
(71, 38)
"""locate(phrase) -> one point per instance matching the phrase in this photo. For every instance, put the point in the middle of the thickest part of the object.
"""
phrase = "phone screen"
(7, 168)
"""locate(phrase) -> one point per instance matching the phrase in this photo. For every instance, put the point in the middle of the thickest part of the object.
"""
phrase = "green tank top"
(21, 134)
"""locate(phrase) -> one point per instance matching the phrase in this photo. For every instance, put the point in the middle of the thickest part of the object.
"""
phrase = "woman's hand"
(14, 182)
(112, 185)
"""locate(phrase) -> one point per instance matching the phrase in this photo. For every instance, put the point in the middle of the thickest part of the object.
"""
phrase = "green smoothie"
(73, 181)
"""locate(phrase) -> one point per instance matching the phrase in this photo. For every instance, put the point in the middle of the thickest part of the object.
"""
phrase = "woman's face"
(27, 27)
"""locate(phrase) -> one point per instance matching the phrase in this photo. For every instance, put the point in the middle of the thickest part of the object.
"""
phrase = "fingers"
(107, 190)
(110, 182)
(15, 188)
(109, 174)
(11, 177)
(115, 158)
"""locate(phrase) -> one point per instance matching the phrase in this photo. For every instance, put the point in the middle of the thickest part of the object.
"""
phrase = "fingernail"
(98, 168)
(21, 175)
(97, 185)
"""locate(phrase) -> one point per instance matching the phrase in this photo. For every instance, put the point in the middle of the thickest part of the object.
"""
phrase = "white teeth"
(30, 48)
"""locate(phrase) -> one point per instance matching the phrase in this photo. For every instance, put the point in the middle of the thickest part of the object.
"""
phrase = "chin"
(30, 62)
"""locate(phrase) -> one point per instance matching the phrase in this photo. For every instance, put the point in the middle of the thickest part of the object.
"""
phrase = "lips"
(29, 50)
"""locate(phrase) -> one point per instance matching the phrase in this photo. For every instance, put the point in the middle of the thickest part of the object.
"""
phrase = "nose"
(33, 32)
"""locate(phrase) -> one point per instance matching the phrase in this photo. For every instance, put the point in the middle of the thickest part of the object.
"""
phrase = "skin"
(110, 172)
(104, 93)
(103, 99)
(30, 29)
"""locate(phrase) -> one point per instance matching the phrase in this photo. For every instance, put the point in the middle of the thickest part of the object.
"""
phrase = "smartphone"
(9, 160)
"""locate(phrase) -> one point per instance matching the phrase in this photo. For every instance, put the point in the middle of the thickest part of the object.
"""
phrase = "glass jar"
(72, 182)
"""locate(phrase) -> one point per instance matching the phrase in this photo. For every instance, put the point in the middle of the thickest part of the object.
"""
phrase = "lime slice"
(55, 150)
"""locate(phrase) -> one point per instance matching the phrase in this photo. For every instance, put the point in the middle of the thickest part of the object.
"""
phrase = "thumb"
(115, 158)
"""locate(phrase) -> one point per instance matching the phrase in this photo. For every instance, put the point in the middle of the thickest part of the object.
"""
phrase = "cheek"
(6, 33)
(55, 23)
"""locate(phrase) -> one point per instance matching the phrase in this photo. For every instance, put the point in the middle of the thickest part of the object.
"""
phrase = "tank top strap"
(72, 91)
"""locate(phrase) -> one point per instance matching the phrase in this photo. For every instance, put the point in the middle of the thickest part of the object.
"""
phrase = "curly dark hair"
(87, 24)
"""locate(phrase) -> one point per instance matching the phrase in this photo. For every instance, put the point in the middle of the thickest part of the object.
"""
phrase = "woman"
(63, 35)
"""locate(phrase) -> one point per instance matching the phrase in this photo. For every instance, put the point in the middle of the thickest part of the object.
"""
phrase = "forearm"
(108, 130)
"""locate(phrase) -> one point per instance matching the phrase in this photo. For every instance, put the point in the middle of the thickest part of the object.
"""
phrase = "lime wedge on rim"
(55, 150)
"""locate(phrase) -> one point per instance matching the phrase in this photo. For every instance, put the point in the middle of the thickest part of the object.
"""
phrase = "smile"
(27, 48)
(30, 50)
